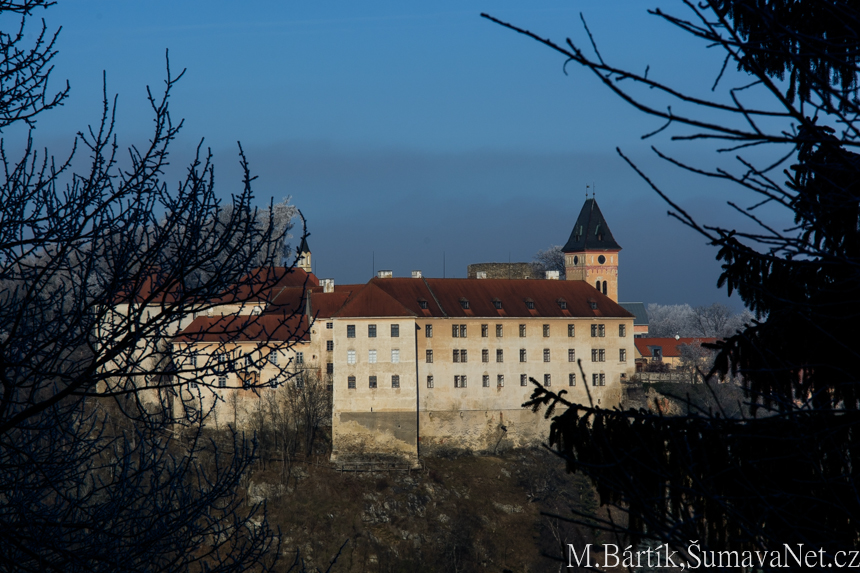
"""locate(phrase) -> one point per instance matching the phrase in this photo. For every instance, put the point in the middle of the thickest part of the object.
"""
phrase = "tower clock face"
(575, 260)
(601, 259)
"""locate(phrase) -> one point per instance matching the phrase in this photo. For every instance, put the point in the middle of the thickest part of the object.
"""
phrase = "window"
(395, 355)
(594, 355)
(273, 357)
(522, 330)
(456, 355)
(459, 381)
(329, 345)
(395, 381)
(622, 330)
(571, 379)
(499, 331)
(547, 380)
(598, 379)
(455, 330)
(592, 304)
(463, 355)
(249, 361)
(486, 381)
(429, 381)
(500, 380)
(485, 330)
(464, 303)
(300, 357)
(562, 304)
(372, 381)
(462, 331)
(371, 356)
(497, 303)
(329, 325)
(395, 331)
(350, 382)
(192, 385)
(602, 355)
(485, 355)
(546, 354)
(598, 355)
(622, 355)
(500, 355)
(571, 330)
(524, 381)
(222, 381)
(522, 354)
(428, 330)
(371, 331)
(350, 331)
(530, 304)
(422, 304)
(300, 382)
(429, 357)
(546, 331)
(571, 355)
(598, 330)
(192, 361)
(329, 367)
(350, 356)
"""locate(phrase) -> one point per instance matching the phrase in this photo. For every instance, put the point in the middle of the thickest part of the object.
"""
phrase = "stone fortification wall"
(502, 270)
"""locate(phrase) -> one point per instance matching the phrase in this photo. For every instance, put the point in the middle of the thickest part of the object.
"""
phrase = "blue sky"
(406, 131)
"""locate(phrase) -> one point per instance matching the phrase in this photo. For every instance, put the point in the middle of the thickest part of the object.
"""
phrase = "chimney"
(327, 284)
(384, 274)
(481, 274)
(552, 275)
(416, 274)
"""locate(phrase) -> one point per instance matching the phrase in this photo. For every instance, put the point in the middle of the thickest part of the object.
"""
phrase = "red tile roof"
(264, 284)
(445, 297)
(670, 346)
(245, 328)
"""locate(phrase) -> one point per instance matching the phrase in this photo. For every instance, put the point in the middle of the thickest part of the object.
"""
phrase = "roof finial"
(586, 192)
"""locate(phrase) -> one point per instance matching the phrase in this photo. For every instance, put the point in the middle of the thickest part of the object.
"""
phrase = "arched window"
(604, 287)
(597, 286)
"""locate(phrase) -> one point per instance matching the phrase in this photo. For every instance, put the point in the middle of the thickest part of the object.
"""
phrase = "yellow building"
(427, 364)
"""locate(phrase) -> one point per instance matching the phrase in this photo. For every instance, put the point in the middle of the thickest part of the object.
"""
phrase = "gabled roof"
(264, 284)
(637, 309)
(670, 347)
(448, 298)
(590, 232)
(246, 328)
(372, 300)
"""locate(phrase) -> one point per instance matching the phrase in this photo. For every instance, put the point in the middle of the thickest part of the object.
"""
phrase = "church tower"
(591, 253)
(304, 260)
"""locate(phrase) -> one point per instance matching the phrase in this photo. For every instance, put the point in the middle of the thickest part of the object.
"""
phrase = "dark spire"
(590, 233)
(303, 248)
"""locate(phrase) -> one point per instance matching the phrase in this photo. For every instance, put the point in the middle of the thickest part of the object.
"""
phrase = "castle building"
(417, 365)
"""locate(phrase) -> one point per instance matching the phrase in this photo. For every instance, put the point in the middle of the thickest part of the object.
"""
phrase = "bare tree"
(552, 259)
(104, 462)
(783, 473)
